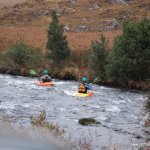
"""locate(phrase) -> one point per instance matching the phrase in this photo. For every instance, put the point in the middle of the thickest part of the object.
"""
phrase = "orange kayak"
(44, 83)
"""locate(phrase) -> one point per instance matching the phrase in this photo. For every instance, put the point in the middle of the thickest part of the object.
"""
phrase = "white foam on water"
(75, 120)
(128, 100)
(123, 101)
(33, 86)
(116, 102)
(74, 87)
(119, 102)
(95, 106)
(7, 105)
(60, 83)
(62, 117)
(76, 109)
(7, 77)
(113, 109)
(9, 82)
(62, 109)
(18, 82)
(101, 118)
(104, 88)
(26, 105)
(99, 93)
(71, 93)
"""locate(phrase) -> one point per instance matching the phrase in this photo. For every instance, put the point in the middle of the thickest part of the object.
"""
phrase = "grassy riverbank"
(72, 69)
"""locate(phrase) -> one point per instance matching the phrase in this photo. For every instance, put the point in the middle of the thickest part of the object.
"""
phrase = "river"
(120, 112)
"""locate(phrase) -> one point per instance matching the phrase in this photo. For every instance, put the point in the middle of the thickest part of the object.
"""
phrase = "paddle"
(32, 72)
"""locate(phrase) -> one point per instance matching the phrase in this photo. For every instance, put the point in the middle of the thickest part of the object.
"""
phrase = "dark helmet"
(45, 72)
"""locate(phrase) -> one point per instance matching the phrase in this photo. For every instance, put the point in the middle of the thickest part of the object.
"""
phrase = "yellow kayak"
(90, 93)
(44, 83)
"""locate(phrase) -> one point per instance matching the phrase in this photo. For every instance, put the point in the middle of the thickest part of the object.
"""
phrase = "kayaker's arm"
(88, 87)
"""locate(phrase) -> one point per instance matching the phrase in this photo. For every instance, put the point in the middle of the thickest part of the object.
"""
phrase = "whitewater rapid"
(120, 112)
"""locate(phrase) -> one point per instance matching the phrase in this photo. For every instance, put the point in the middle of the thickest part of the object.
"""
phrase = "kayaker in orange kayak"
(45, 77)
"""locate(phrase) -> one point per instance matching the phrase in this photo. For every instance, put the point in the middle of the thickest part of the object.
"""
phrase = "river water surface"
(119, 112)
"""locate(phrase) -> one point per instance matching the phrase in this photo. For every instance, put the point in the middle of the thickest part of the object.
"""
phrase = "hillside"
(84, 20)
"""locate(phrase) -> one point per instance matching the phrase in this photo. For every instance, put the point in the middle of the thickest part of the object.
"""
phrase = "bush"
(40, 121)
(147, 105)
(98, 56)
(24, 56)
(6, 65)
(130, 58)
(57, 43)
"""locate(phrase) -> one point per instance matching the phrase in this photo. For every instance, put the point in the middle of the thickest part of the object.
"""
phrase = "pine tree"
(98, 55)
(57, 43)
(130, 58)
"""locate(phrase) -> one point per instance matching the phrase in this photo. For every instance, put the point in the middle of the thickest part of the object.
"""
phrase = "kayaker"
(84, 87)
(45, 77)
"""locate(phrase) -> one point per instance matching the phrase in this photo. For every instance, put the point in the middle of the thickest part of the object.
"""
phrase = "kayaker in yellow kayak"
(45, 77)
(84, 87)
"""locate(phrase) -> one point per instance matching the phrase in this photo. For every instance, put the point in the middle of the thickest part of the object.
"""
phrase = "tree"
(130, 58)
(98, 56)
(57, 43)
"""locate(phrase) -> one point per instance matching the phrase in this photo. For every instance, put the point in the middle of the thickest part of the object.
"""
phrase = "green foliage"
(5, 63)
(24, 56)
(130, 58)
(98, 56)
(57, 43)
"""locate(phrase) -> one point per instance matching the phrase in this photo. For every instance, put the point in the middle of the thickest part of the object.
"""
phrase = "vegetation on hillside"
(127, 65)
(130, 57)
(98, 56)
(20, 57)
(57, 43)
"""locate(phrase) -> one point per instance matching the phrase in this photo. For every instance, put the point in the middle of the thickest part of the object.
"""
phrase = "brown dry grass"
(41, 121)
(81, 14)
(37, 37)
(33, 29)
(8, 3)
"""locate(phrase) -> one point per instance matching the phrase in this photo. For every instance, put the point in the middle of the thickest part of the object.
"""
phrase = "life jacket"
(46, 78)
(82, 88)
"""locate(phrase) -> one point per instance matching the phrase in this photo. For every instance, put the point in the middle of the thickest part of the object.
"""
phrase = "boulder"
(87, 121)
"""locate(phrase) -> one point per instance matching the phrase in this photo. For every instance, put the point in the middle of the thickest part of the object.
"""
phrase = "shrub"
(57, 43)
(40, 121)
(130, 58)
(6, 65)
(24, 56)
(147, 105)
(98, 56)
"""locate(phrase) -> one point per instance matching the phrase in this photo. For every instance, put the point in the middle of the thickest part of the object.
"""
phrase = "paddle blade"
(32, 72)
